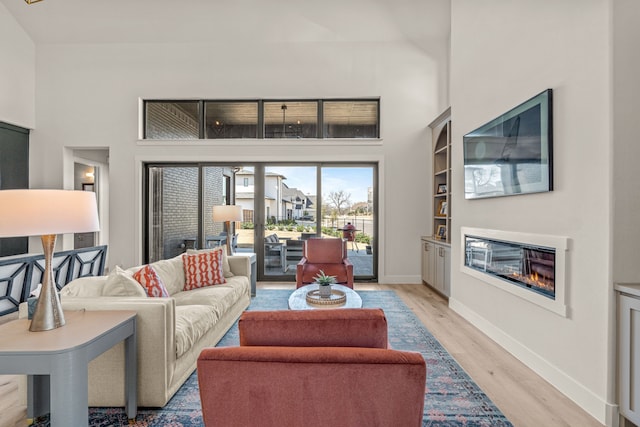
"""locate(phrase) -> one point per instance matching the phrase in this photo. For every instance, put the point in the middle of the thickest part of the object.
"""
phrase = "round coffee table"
(298, 299)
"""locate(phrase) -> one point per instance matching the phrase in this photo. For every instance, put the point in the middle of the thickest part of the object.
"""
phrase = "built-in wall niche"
(530, 266)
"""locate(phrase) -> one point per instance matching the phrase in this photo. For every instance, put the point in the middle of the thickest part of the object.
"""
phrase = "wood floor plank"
(11, 412)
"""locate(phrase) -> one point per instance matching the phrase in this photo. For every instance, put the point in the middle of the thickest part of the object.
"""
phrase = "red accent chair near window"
(312, 368)
(328, 255)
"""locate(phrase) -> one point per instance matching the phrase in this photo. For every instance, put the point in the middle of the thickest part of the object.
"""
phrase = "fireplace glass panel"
(528, 266)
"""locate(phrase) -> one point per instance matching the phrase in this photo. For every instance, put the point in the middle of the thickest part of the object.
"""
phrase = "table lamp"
(226, 214)
(47, 213)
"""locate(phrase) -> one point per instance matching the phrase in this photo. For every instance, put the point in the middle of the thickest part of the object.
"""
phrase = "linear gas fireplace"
(531, 267)
(527, 265)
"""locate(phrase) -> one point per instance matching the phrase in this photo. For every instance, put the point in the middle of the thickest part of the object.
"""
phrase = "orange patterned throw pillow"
(150, 281)
(203, 269)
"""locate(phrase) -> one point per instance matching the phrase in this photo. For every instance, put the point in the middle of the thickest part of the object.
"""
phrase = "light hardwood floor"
(12, 413)
(526, 399)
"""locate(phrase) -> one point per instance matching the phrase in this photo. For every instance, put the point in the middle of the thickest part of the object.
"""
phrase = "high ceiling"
(421, 22)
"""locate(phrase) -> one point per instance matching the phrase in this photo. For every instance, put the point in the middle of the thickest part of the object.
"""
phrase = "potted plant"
(324, 283)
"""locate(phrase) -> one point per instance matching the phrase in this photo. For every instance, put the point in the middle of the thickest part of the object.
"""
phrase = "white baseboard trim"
(598, 408)
(400, 280)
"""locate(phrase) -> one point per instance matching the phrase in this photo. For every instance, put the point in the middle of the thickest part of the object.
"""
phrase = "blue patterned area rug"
(452, 399)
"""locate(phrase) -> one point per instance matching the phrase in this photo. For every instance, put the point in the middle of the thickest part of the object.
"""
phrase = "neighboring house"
(296, 203)
(281, 202)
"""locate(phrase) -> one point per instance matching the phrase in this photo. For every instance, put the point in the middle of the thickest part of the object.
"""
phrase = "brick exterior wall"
(179, 208)
(169, 121)
(176, 213)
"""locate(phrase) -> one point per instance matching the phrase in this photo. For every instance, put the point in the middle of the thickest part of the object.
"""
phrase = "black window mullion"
(320, 130)
(260, 119)
(145, 213)
(319, 201)
(378, 122)
(201, 119)
(144, 119)
(201, 211)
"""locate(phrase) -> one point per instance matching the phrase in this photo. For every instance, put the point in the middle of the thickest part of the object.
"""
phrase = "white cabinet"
(428, 262)
(436, 265)
(628, 346)
(443, 268)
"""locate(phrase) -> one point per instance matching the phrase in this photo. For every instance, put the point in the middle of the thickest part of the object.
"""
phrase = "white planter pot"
(324, 291)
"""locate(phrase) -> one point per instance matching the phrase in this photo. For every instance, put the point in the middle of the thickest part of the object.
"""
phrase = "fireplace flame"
(535, 280)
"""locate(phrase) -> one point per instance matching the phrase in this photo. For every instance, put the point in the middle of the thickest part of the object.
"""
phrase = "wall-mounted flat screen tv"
(511, 154)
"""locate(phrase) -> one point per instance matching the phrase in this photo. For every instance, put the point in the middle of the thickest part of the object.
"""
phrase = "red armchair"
(328, 255)
(312, 368)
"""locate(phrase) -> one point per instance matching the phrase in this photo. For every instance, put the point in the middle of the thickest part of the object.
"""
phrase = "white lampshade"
(44, 212)
(223, 213)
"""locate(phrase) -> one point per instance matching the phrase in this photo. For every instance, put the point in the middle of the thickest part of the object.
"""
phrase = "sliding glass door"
(289, 211)
(282, 206)
(349, 211)
(302, 201)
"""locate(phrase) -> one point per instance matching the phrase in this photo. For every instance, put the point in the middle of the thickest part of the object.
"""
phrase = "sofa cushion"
(122, 284)
(90, 286)
(220, 297)
(226, 269)
(203, 269)
(151, 282)
(192, 322)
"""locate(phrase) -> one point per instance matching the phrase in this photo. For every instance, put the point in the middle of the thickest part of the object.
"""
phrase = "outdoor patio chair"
(293, 253)
(273, 251)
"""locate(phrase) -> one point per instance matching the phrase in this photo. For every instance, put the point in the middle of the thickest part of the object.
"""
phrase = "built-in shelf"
(441, 149)
(436, 249)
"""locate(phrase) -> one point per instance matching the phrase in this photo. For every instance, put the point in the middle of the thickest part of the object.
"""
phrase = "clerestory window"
(261, 119)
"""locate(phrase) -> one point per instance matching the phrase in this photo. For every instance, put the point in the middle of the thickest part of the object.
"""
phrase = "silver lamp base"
(48, 313)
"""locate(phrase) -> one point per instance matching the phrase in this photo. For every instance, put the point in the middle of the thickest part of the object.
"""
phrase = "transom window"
(262, 119)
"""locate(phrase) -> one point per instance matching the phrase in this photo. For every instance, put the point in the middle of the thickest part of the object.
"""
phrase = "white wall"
(17, 73)
(88, 96)
(626, 106)
(503, 53)
(626, 150)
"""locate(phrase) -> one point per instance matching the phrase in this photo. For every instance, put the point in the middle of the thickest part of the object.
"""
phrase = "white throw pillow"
(91, 286)
(171, 272)
(121, 283)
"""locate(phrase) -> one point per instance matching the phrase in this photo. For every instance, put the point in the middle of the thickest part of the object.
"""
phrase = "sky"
(353, 180)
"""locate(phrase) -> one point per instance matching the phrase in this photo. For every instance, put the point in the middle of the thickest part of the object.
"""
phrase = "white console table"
(57, 361)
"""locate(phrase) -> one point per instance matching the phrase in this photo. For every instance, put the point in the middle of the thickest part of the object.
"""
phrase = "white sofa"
(171, 332)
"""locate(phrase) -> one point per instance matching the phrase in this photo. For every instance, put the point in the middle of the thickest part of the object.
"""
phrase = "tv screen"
(511, 154)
